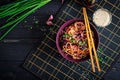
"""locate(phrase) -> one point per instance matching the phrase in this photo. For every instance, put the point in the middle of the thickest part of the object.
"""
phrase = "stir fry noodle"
(73, 40)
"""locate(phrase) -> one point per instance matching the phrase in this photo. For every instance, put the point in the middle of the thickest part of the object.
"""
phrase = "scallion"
(18, 10)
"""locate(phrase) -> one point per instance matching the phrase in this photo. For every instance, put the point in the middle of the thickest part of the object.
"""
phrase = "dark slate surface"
(25, 40)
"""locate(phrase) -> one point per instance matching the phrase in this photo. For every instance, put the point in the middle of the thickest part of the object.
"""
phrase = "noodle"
(74, 40)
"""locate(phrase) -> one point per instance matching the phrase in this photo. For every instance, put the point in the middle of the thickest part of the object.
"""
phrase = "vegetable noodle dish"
(73, 40)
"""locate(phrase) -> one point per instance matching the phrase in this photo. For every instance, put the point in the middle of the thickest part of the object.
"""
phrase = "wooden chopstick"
(90, 38)
(90, 48)
(93, 45)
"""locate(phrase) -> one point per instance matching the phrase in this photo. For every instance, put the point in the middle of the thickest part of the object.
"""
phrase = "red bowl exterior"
(67, 23)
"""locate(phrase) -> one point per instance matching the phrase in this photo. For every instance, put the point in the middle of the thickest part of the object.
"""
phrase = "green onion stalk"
(18, 11)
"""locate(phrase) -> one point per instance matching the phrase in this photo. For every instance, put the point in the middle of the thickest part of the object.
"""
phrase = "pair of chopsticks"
(91, 44)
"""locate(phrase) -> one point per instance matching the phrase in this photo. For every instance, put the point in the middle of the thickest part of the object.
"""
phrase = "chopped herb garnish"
(31, 27)
(36, 22)
(80, 43)
(25, 21)
(73, 40)
(67, 35)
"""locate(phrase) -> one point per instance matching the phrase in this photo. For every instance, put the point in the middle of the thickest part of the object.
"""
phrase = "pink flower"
(49, 21)
(50, 18)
